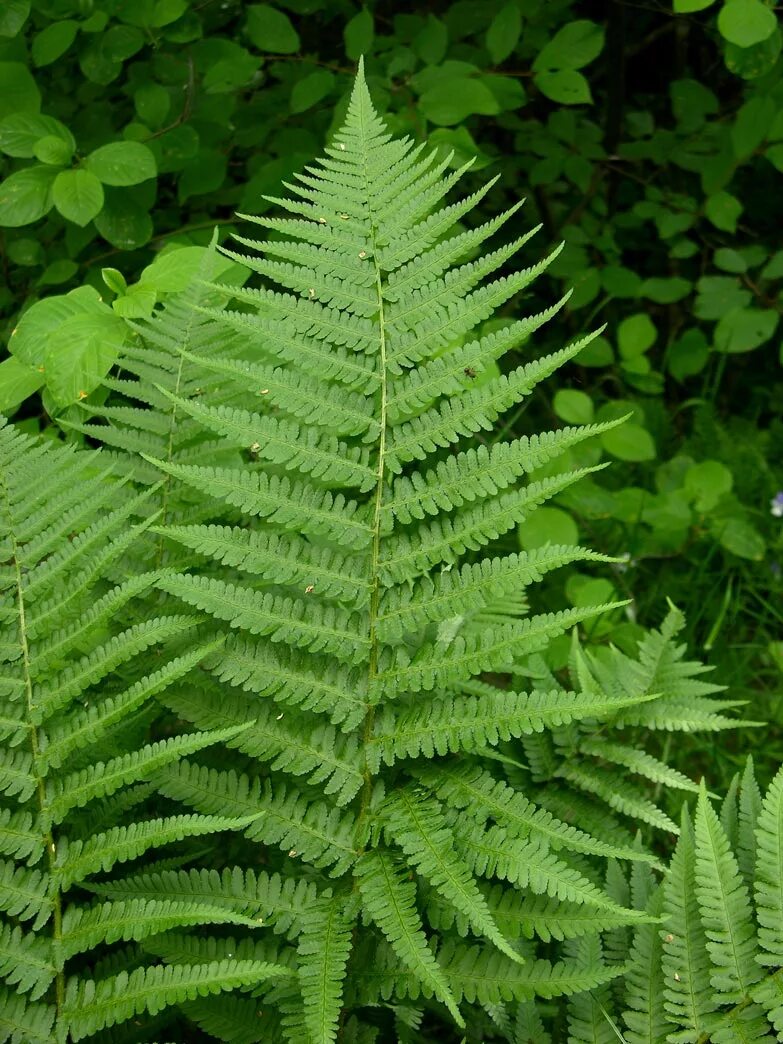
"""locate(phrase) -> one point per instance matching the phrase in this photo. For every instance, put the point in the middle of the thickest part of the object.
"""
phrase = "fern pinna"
(74, 768)
(369, 625)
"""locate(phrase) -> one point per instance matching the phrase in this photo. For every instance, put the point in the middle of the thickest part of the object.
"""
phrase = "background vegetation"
(648, 140)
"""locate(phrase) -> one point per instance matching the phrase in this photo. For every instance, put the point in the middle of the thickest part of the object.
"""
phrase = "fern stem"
(369, 719)
(47, 836)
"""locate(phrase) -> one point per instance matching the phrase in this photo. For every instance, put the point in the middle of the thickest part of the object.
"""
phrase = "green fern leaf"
(389, 900)
(79, 788)
(311, 830)
(685, 961)
(417, 825)
(324, 947)
(268, 899)
(21, 1021)
(482, 797)
(725, 909)
(25, 962)
(84, 929)
(769, 878)
(91, 1006)
(102, 851)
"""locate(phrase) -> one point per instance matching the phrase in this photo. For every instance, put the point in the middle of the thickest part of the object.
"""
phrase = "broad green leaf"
(173, 271)
(742, 539)
(20, 132)
(174, 148)
(358, 34)
(752, 62)
(13, 15)
(635, 335)
(730, 260)
(452, 100)
(271, 30)
(750, 128)
(460, 144)
(137, 303)
(744, 329)
(53, 150)
(53, 41)
(311, 89)
(572, 47)
(78, 195)
(58, 271)
(503, 33)
(122, 42)
(666, 289)
(774, 267)
(26, 196)
(122, 222)
(688, 355)
(25, 251)
(18, 90)
(30, 340)
(566, 86)
(152, 103)
(574, 407)
(689, 6)
(629, 442)
(723, 210)
(432, 42)
(588, 590)
(230, 73)
(167, 11)
(205, 173)
(692, 102)
(707, 482)
(718, 295)
(153, 13)
(775, 156)
(80, 354)
(620, 282)
(115, 280)
(17, 383)
(547, 525)
(122, 163)
(746, 22)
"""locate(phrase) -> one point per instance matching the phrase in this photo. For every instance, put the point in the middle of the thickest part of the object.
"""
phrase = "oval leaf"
(78, 195)
(122, 163)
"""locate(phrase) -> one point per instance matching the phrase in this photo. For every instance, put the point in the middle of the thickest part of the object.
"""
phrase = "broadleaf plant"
(376, 724)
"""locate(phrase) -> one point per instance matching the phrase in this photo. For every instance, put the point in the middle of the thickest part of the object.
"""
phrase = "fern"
(358, 590)
(720, 962)
(71, 686)
(293, 499)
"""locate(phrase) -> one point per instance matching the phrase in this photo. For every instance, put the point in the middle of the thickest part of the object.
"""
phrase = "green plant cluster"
(648, 138)
(274, 629)
(321, 616)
